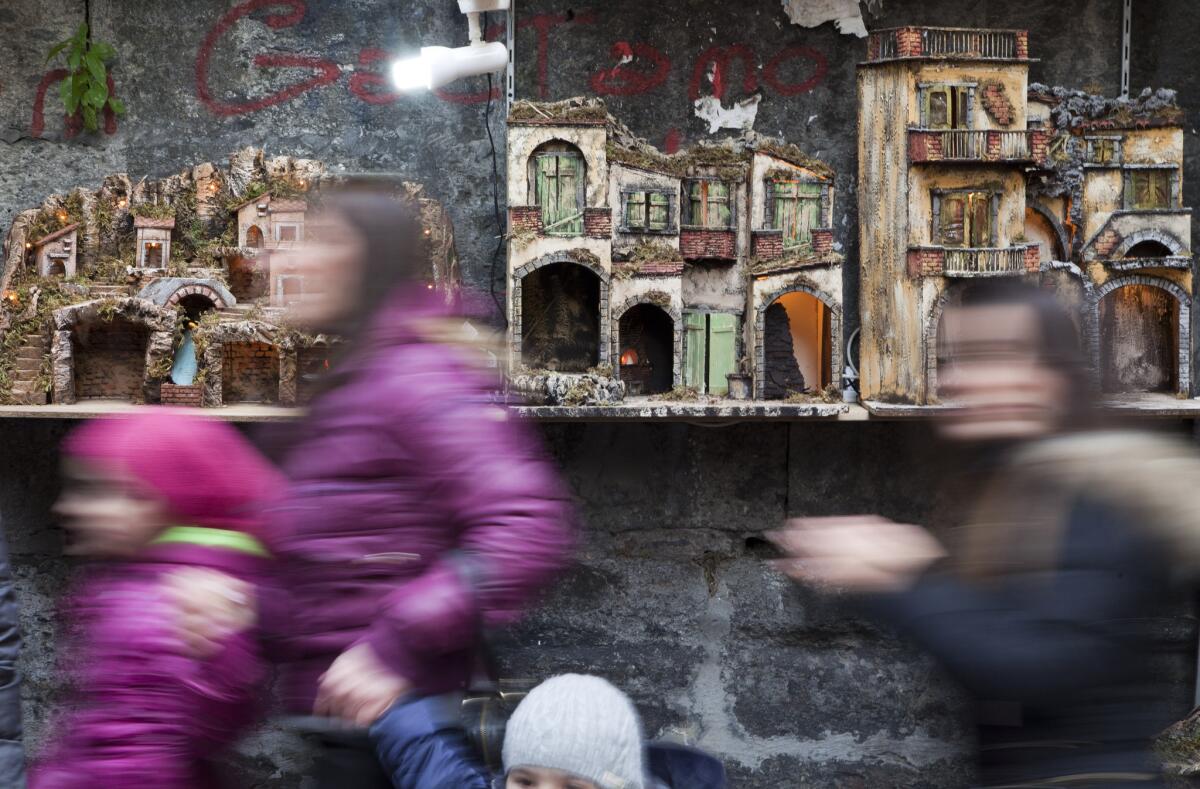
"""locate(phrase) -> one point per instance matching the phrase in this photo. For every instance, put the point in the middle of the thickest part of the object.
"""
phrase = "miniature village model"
(966, 171)
(704, 282)
(711, 273)
(175, 291)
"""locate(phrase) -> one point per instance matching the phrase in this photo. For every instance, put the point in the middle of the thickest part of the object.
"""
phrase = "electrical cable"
(487, 123)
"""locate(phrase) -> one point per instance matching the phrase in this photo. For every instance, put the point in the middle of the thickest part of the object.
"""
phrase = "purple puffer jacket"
(148, 716)
(418, 514)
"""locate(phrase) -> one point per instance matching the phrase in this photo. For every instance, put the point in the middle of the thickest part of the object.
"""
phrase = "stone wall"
(110, 360)
(250, 372)
(310, 366)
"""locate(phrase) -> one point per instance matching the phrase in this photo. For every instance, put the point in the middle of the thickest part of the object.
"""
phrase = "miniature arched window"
(558, 179)
(254, 237)
(1148, 249)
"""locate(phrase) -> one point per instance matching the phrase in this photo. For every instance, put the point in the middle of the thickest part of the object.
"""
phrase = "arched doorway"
(647, 349)
(1041, 231)
(1139, 330)
(560, 318)
(196, 304)
(254, 237)
(797, 345)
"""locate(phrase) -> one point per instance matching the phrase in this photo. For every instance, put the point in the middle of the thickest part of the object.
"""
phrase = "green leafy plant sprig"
(84, 91)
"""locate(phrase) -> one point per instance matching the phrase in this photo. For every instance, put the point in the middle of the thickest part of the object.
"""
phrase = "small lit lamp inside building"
(438, 66)
(629, 358)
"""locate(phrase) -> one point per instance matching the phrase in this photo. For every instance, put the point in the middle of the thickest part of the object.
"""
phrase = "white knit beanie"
(581, 725)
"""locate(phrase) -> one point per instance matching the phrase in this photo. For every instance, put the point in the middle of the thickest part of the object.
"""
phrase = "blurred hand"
(857, 553)
(358, 688)
(211, 607)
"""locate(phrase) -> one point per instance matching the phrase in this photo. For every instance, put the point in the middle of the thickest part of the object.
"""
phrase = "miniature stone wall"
(311, 365)
(250, 372)
(110, 361)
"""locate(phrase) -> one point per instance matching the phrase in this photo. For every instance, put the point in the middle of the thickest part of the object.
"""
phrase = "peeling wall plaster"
(845, 14)
(740, 115)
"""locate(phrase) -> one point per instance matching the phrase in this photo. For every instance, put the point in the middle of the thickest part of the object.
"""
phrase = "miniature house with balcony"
(1108, 203)
(712, 269)
(57, 252)
(966, 171)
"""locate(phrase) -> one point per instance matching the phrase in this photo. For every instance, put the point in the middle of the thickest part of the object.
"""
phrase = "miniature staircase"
(241, 312)
(25, 389)
(108, 291)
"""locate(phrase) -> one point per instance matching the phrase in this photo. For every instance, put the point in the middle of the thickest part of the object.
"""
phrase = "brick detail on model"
(695, 243)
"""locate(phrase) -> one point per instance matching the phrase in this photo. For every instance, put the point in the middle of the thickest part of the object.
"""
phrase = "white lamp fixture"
(438, 66)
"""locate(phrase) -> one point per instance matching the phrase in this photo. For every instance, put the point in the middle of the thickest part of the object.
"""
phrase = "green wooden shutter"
(657, 211)
(695, 349)
(1127, 176)
(722, 351)
(718, 212)
(558, 193)
(635, 210)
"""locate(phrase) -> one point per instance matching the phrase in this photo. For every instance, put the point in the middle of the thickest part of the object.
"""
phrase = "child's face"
(542, 778)
(105, 514)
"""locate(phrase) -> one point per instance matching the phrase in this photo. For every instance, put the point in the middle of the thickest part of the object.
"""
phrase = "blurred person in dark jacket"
(418, 515)
(1075, 536)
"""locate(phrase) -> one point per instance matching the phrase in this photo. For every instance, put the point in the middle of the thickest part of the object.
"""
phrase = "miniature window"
(1148, 189)
(708, 203)
(796, 210)
(963, 219)
(947, 107)
(1104, 150)
(287, 232)
(559, 192)
(152, 254)
(648, 211)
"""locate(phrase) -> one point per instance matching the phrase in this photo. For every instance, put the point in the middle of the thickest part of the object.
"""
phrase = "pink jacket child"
(155, 494)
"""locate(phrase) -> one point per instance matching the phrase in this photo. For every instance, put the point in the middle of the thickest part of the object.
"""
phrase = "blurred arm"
(12, 754)
(1037, 636)
(421, 746)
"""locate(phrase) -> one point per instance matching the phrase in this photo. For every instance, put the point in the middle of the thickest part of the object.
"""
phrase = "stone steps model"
(25, 388)
(108, 291)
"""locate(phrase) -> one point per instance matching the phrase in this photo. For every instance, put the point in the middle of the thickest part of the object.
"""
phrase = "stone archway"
(113, 348)
(1060, 233)
(580, 258)
(200, 290)
(835, 333)
(662, 302)
(1130, 241)
(1183, 344)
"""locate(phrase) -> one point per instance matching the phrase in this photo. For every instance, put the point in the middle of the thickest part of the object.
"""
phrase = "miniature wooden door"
(559, 192)
(722, 351)
(710, 351)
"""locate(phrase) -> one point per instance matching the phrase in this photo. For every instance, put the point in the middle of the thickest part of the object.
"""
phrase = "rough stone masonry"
(670, 597)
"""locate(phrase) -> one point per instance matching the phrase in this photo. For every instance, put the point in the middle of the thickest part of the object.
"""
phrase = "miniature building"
(56, 253)
(153, 238)
(1110, 204)
(943, 146)
(667, 267)
(274, 226)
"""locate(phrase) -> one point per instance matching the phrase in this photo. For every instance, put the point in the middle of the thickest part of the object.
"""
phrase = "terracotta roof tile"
(147, 221)
(288, 205)
(56, 234)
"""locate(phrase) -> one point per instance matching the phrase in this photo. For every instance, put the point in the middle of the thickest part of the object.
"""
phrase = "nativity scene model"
(175, 291)
(711, 274)
(965, 170)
